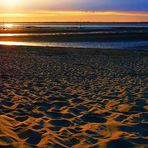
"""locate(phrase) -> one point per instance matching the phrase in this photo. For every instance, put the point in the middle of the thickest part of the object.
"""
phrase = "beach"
(79, 35)
(67, 97)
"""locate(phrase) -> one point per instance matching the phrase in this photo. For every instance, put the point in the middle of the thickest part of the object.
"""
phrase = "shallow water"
(102, 45)
(74, 33)
(133, 42)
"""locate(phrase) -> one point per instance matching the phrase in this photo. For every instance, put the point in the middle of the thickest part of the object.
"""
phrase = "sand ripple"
(73, 101)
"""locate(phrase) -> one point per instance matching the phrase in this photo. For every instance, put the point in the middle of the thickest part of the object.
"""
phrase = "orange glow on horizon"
(73, 16)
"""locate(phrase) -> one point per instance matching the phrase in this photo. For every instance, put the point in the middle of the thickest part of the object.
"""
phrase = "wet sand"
(61, 98)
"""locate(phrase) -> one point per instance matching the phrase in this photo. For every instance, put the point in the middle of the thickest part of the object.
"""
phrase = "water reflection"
(102, 45)
(16, 43)
(8, 34)
(8, 25)
(48, 34)
(73, 33)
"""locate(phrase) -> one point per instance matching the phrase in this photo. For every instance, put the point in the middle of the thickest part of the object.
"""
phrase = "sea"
(132, 36)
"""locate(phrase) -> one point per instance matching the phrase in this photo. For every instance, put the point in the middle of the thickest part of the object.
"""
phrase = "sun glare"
(10, 3)
(8, 25)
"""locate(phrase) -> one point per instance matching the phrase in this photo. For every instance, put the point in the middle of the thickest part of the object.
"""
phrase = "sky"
(74, 10)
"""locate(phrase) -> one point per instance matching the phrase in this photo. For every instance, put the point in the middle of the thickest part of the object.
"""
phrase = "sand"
(61, 99)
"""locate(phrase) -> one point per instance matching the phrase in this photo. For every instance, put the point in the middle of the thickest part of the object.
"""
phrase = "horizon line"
(73, 22)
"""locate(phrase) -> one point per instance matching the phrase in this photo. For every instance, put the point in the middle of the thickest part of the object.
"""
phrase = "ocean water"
(130, 45)
(85, 29)
(78, 25)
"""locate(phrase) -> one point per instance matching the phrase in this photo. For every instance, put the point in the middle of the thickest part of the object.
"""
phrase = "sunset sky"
(73, 10)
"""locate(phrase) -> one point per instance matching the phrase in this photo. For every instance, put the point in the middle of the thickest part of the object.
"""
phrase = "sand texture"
(72, 100)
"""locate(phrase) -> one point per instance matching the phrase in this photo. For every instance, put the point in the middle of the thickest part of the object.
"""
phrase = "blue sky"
(90, 5)
(114, 5)
(81, 5)
(43, 10)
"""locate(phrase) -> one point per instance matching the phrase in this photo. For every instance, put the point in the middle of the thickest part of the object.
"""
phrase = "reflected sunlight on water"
(8, 34)
(17, 43)
(8, 25)
(101, 45)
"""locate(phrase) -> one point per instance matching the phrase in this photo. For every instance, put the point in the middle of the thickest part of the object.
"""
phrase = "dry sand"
(65, 99)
